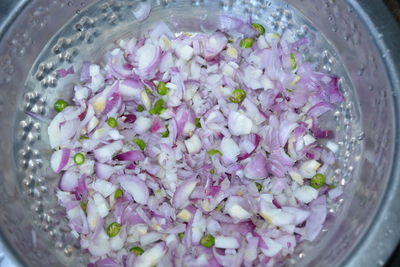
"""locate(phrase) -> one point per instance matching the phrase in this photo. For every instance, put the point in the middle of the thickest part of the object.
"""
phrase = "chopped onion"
(196, 137)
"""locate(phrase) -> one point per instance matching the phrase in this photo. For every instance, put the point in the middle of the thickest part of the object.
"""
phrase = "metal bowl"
(351, 38)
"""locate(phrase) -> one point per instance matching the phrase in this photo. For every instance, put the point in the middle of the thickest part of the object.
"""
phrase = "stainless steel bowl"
(357, 39)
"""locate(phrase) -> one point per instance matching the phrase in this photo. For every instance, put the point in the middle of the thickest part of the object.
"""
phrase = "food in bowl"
(196, 149)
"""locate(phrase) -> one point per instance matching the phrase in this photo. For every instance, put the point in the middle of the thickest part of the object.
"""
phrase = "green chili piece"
(118, 193)
(112, 122)
(238, 95)
(247, 42)
(147, 90)
(197, 122)
(83, 137)
(317, 181)
(166, 133)
(113, 229)
(158, 107)
(260, 28)
(162, 88)
(79, 158)
(60, 104)
(259, 186)
(137, 251)
(214, 151)
(140, 143)
(84, 207)
(139, 108)
(293, 63)
(207, 241)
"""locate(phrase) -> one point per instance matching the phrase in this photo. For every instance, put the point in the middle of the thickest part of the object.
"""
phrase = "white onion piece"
(59, 159)
(100, 246)
(104, 188)
(229, 149)
(105, 153)
(193, 144)
(183, 192)
(104, 171)
(256, 168)
(306, 194)
(135, 187)
(309, 168)
(239, 124)
(101, 205)
(69, 181)
(226, 242)
(142, 124)
(273, 247)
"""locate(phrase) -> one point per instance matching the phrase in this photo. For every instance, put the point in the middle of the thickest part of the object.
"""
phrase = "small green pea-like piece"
(79, 158)
(214, 151)
(112, 122)
(238, 95)
(158, 107)
(247, 42)
(147, 90)
(207, 241)
(259, 186)
(113, 229)
(84, 207)
(197, 122)
(118, 193)
(60, 105)
(317, 181)
(139, 108)
(140, 143)
(212, 171)
(293, 63)
(260, 28)
(83, 137)
(219, 207)
(137, 251)
(181, 235)
(162, 88)
(166, 133)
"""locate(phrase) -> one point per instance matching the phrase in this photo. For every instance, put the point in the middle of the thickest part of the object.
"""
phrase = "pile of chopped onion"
(196, 150)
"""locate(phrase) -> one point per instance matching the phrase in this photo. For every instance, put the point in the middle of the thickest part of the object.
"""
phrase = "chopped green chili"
(260, 28)
(238, 95)
(197, 122)
(113, 229)
(259, 186)
(79, 158)
(317, 181)
(137, 251)
(158, 107)
(60, 104)
(181, 235)
(247, 42)
(139, 108)
(112, 122)
(293, 63)
(140, 143)
(214, 151)
(118, 193)
(162, 88)
(207, 241)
